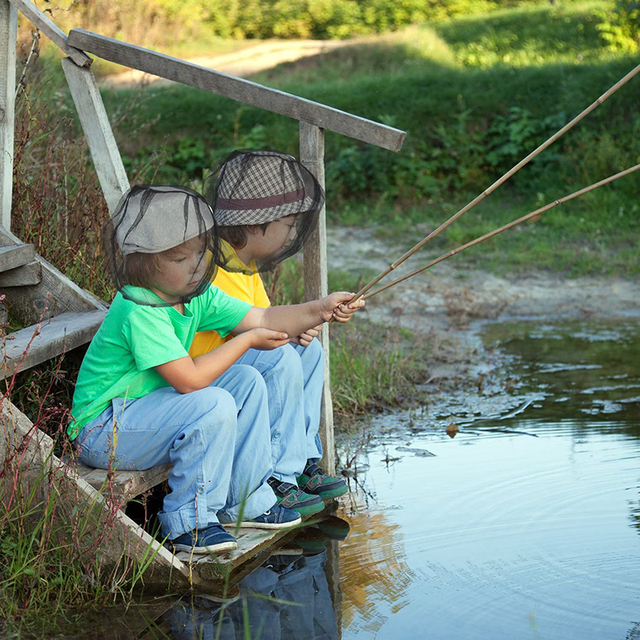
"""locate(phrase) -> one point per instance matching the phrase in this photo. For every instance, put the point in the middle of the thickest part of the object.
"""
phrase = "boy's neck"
(175, 302)
(244, 255)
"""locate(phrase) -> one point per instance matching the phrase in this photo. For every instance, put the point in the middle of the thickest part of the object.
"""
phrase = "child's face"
(277, 236)
(180, 270)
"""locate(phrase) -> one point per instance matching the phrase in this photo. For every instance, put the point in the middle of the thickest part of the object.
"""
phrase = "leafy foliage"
(620, 27)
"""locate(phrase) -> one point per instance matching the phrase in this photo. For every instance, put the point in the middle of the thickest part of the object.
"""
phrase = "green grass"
(374, 367)
(475, 94)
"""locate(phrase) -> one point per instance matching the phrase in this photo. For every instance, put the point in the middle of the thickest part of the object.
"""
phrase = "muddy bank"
(448, 304)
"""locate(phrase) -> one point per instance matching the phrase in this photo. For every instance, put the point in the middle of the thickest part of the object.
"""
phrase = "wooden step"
(26, 275)
(124, 484)
(252, 543)
(36, 344)
(16, 256)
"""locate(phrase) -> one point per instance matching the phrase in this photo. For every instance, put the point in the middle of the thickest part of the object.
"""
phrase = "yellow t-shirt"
(248, 288)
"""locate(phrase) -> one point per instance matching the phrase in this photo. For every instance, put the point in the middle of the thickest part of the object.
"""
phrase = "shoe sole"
(212, 548)
(246, 524)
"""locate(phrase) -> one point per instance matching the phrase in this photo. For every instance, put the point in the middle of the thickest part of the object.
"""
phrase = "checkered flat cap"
(255, 187)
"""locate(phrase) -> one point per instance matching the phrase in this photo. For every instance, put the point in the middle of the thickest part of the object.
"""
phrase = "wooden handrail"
(238, 89)
(51, 30)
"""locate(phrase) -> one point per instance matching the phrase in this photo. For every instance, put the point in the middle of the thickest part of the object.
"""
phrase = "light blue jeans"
(217, 440)
(294, 377)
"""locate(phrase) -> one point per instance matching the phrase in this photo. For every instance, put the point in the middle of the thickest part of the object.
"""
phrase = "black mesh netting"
(148, 237)
(253, 188)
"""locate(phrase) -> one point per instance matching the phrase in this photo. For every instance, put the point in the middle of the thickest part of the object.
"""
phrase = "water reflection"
(287, 597)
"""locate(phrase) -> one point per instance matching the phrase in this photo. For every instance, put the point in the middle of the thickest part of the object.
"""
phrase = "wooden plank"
(251, 543)
(28, 274)
(97, 131)
(51, 30)
(16, 256)
(8, 40)
(238, 89)
(36, 344)
(315, 281)
(55, 294)
(125, 484)
(76, 499)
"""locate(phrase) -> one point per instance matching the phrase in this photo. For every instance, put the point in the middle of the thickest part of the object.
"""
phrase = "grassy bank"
(475, 95)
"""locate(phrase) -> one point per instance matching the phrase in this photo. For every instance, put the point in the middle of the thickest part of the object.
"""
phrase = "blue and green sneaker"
(317, 483)
(291, 497)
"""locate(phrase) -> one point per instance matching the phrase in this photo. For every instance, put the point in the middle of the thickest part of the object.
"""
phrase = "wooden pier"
(59, 316)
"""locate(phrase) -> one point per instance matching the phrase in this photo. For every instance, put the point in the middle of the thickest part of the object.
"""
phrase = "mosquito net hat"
(151, 220)
(256, 187)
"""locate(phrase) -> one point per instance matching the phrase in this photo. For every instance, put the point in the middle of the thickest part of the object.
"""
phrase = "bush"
(620, 27)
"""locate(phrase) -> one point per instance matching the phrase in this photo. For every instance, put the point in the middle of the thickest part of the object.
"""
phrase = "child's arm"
(297, 318)
(187, 374)
(255, 331)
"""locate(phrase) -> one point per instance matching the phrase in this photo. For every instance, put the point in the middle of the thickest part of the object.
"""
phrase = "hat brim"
(237, 217)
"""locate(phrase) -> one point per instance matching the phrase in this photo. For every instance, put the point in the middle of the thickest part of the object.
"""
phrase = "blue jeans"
(216, 438)
(294, 377)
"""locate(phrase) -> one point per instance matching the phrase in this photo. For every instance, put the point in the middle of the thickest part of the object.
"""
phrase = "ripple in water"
(501, 535)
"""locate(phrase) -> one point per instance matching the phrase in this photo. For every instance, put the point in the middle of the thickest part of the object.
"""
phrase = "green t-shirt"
(135, 338)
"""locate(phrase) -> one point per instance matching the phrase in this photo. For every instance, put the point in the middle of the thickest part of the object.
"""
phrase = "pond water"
(524, 525)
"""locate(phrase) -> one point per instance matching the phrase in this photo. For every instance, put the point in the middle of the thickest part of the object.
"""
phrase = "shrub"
(620, 27)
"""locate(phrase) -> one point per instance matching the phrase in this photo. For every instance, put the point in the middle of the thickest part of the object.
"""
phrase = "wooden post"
(315, 279)
(8, 40)
(97, 131)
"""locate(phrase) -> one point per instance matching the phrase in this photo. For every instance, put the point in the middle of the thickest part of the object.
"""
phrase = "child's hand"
(304, 339)
(340, 310)
(267, 339)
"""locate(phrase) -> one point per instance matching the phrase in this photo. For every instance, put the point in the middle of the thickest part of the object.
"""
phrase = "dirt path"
(448, 295)
(238, 63)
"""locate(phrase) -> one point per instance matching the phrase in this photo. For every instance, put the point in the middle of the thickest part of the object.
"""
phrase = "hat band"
(245, 204)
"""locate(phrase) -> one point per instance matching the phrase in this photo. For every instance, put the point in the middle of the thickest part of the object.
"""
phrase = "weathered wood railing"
(38, 288)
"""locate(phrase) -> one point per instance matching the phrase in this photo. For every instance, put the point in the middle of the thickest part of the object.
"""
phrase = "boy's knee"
(288, 360)
(314, 352)
(216, 400)
(246, 376)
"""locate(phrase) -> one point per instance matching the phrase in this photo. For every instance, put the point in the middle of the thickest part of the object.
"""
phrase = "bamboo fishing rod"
(510, 225)
(498, 182)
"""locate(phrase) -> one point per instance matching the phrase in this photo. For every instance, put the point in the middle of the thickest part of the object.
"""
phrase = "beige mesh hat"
(153, 219)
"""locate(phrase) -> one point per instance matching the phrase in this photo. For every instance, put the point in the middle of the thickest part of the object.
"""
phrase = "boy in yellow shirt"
(266, 204)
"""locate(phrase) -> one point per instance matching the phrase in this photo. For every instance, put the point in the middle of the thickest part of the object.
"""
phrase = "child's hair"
(236, 235)
(256, 187)
(151, 222)
(142, 269)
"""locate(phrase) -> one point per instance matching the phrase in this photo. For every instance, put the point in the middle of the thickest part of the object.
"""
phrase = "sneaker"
(213, 539)
(275, 518)
(291, 497)
(317, 483)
